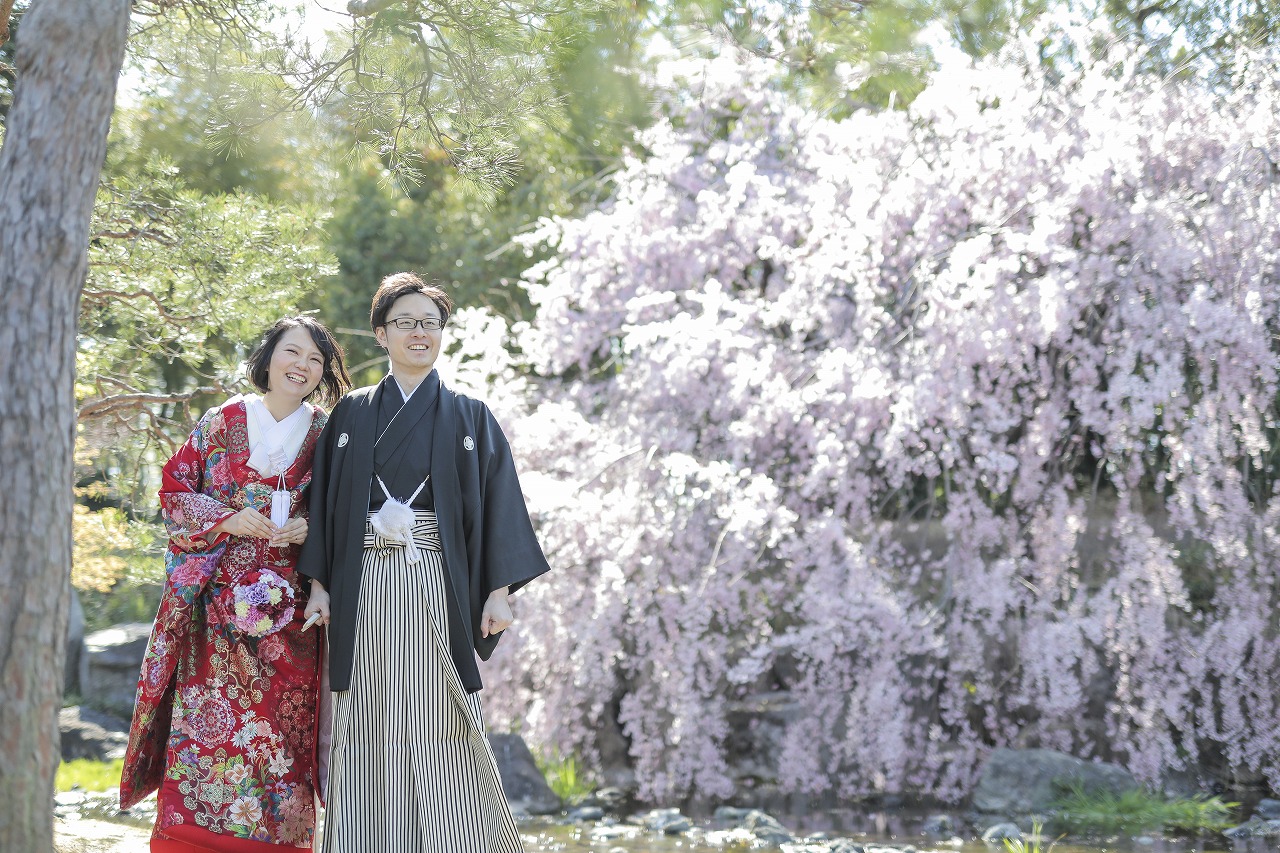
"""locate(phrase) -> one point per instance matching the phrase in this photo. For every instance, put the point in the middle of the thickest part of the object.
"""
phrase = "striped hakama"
(411, 770)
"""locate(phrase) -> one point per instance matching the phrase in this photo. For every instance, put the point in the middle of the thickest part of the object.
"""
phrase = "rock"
(522, 781)
(611, 833)
(1254, 827)
(1002, 831)
(586, 813)
(731, 814)
(614, 750)
(1268, 809)
(69, 798)
(91, 734)
(844, 845)
(610, 799)
(667, 821)
(758, 724)
(1181, 784)
(1029, 780)
(766, 828)
(75, 646)
(939, 824)
(110, 664)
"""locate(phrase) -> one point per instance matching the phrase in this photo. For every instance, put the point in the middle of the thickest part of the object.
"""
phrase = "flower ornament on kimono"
(394, 521)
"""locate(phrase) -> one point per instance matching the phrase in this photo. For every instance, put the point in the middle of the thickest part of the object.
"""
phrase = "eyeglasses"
(408, 324)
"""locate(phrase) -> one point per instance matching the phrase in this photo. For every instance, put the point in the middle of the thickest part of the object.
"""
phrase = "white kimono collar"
(274, 445)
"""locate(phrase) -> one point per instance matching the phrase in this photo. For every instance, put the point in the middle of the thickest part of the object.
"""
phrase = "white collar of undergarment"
(400, 388)
(274, 445)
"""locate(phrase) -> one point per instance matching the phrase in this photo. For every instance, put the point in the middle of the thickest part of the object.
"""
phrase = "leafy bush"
(1102, 812)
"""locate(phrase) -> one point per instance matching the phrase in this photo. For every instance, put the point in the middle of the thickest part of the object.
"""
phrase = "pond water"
(815, 832)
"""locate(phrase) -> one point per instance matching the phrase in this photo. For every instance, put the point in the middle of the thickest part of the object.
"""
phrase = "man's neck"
(407, 381)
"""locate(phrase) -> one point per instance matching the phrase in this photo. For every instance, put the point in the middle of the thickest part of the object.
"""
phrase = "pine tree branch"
(365, 8)
(118, 404)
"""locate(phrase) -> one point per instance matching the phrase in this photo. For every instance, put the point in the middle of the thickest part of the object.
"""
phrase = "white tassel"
(394, 521)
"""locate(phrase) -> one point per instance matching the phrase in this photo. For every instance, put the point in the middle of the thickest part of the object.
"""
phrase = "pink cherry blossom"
(949, 429)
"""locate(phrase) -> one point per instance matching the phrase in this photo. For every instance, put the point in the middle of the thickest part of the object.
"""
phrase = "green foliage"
(117, 565)
(85, 774)
(1035, 845)
(181, 284)
(444, 230)
(565, 777)
(1209, 35)
(1101, 812)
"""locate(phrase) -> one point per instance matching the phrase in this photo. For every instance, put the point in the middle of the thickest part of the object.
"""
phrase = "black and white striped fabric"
(411, 770)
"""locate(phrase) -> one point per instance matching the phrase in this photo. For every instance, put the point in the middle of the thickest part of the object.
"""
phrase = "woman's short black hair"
(333, 384)
(401, 284)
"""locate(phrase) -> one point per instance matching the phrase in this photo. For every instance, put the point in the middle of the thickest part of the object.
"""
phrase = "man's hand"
(496, 615)
(318, 602)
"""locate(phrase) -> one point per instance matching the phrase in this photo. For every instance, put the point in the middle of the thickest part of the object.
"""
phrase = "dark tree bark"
(69, 57)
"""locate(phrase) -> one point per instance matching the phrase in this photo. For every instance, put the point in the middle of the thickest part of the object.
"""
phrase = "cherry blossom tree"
(951, 428)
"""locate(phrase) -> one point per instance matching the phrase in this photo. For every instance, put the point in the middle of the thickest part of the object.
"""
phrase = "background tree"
(441, 228)
(955, 426)
(53, 150)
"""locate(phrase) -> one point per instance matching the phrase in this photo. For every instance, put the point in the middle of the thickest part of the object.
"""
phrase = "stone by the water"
(731, 814)
(585, 813)
(1254, 827)
(844, 845)
(1027, 781)
(1001, 832)
(1268, 809)
(766, 828)
(939, 824)
(522, 781)
(666, 821)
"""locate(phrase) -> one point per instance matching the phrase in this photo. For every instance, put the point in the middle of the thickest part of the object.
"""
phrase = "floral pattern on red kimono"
(225, 722)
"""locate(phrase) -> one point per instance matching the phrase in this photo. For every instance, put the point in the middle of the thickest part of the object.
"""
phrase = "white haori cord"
(394, 521)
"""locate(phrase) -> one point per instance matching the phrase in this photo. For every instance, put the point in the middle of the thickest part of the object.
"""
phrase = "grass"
(85, 774)
(1137, 811)
(1022, 845)
(565, 777)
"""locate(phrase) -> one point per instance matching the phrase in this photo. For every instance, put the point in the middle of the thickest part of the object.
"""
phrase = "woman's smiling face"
(296, 366)
(413, 351)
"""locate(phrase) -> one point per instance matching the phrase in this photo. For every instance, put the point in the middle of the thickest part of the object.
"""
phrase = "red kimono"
(226, 717)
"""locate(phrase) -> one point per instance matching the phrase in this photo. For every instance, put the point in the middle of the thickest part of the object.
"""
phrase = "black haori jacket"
(485, 531)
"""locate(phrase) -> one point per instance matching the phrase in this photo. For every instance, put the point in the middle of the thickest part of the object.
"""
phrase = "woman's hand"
(496, 615)
(246, 522)
(318, 602)
(293, 533)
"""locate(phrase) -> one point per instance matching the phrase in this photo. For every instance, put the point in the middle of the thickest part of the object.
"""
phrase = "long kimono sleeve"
(512, 555)
(190, 562)
(189, 512)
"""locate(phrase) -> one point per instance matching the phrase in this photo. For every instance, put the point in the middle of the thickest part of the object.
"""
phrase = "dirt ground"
(87, 835)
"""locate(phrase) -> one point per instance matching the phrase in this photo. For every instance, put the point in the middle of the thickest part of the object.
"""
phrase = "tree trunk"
(69, 57)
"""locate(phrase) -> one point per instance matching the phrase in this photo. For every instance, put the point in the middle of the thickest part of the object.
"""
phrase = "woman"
(418, 534)
(225, 720)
